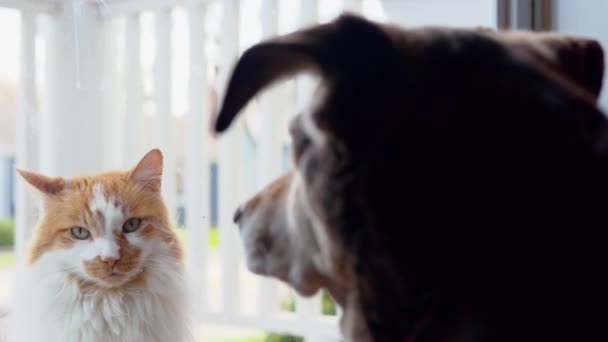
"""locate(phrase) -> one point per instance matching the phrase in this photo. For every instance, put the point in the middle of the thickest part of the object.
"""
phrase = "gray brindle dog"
(447, 184)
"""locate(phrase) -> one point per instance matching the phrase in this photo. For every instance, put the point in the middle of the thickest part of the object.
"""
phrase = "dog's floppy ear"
(262, 65)
(578, 59)
(321, 48)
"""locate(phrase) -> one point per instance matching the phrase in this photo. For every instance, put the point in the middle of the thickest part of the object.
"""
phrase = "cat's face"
(105, 230)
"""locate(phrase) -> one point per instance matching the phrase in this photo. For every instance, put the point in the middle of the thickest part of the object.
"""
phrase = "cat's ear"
(149, 170)
(46, 185)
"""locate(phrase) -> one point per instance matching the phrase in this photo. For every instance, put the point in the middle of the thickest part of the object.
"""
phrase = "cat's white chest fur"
(50, 307)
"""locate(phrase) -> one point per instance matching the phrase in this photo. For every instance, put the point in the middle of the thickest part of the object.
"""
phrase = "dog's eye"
(299, 139)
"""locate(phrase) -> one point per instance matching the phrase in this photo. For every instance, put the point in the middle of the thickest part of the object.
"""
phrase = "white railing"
(45, 129)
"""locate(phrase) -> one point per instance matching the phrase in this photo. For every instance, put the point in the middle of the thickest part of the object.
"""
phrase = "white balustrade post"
(165, 123)
(269, 148)
(112, 96)
(228, 159)
(133, 90)
(72, 137)
(26, 135)
(197, 157)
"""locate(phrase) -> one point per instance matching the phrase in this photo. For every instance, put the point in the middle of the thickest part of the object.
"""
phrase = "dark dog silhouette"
(450, 185)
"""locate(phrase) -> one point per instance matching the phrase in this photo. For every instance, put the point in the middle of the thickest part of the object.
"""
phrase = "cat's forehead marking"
(109, 209)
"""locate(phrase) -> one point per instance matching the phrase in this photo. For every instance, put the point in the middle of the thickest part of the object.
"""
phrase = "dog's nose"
(238, 214)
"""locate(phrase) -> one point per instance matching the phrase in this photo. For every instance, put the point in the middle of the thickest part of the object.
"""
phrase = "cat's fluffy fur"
(54, 309)
(67, 293)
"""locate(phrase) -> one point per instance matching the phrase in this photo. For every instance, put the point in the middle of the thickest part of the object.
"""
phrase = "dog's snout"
(238, 214)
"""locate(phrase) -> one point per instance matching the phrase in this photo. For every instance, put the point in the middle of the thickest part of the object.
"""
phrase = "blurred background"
(91, 85)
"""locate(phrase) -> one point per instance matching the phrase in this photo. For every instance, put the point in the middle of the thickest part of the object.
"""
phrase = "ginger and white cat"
(104, 263)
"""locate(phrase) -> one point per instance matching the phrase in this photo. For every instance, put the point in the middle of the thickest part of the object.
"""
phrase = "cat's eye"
(80, 233)
(131, 225)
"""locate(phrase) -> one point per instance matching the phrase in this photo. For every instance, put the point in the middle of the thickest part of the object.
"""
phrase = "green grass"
(7, 259)
(288, 303)
(213, 240)
(328, 304)
(283, 338)
(182, 234)
(7, 232)
(238, 339)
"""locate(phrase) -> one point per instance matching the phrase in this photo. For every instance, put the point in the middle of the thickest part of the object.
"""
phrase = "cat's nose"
(109, 260)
